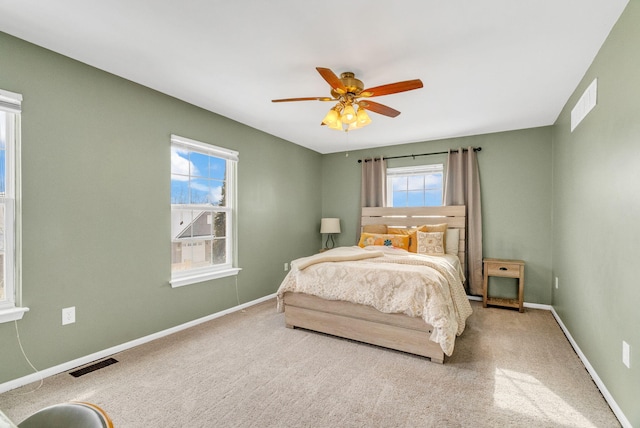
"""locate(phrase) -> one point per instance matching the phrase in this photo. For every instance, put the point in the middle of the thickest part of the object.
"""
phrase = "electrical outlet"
(68, 315)
(626, 354)
(556, 282)
(286, 267)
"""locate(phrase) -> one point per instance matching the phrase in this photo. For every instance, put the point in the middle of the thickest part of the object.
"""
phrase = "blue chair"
(74, 414)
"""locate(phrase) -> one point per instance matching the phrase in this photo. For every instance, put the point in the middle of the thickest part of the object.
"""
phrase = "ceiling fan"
(350, 94)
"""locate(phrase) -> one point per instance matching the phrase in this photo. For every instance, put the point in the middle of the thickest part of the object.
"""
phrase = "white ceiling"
(487, 65)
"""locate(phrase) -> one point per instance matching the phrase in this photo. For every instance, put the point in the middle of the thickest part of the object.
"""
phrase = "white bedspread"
(396, 281)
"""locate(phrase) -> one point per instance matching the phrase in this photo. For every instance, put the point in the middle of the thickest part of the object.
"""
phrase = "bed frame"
(364, 323)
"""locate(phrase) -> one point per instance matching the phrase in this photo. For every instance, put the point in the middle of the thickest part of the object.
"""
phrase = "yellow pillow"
(375, 228)
(413, 239)
(396, 241)
(411, 233)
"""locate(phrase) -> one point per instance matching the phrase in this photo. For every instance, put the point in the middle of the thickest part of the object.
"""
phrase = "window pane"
(220, 225)
(216, 194)
(199, 164)
(415, 198)
(218, 168)
(399, 183)
(202, 224)
(399, 199)
(433, 181)
(180, 163)
(179, 189)
(433, 198)
(415, 182)
(219, 255)
(199, 191)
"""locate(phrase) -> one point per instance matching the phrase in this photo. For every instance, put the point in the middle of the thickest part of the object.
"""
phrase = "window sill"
(195, 278)
(13, 314)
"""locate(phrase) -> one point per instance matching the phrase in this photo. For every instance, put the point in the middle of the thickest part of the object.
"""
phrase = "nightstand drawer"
(508, 270)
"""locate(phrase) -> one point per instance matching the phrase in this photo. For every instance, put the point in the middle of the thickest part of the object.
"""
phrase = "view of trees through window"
(198, 214)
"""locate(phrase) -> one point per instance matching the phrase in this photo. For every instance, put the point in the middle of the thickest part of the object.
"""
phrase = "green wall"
(96, 225)
(596, 208)
(515, 180)
(96, 148)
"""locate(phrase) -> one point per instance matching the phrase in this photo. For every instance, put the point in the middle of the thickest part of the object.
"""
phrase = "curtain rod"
(475, 149)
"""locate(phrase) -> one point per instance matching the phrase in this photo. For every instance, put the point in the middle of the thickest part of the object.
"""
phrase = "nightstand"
(508, 269)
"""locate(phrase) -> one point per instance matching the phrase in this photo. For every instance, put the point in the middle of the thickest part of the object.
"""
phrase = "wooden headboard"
(453, 215)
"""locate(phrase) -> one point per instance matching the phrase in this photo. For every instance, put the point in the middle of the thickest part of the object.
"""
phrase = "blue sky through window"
(196, 178)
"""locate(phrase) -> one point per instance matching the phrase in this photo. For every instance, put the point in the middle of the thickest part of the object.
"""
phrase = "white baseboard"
(525, 304)
(594, 375)
(36, 377)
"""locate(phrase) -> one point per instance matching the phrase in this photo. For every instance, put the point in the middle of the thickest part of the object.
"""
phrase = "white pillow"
(453, 237)
(431, 243)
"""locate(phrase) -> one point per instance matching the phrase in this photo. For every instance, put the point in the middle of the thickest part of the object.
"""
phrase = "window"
(10, 105)
(415, 186)
(202, 211)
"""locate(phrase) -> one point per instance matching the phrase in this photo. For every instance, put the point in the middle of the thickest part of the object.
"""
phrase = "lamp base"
(329, 239)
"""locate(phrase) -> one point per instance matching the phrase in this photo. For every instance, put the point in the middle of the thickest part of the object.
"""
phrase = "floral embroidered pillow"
(396, 241)
(431, 243)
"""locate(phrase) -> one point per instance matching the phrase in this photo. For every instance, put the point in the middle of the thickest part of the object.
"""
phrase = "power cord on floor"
(28, 361)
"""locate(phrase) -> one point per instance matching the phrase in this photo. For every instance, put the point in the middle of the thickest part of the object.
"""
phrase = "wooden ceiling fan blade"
(333, 80)
(392, 88)
(379, 108)
(283, 100)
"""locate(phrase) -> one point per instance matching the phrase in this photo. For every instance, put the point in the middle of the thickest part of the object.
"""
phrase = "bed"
(385, 295)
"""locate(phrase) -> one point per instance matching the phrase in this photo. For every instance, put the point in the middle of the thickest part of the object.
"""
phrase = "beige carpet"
(247, 370)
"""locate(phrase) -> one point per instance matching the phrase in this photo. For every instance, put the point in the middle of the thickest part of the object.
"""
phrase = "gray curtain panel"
(373, 190)
(462, 187)
(374, 183)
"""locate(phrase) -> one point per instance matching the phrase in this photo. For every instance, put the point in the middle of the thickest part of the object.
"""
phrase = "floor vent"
(93, 367)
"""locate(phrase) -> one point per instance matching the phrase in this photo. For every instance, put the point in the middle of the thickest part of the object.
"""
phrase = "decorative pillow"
(374, 228)
(413, 239)
(452, 237)
(442, 227)
(396, 241)
(431, 243)
(411, 233)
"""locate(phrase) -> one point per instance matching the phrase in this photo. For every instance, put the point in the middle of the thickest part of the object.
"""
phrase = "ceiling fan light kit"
(347, 91)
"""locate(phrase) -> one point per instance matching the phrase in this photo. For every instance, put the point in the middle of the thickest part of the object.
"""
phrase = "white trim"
(525, 304)
(220, 152)
(415, 170)
(35, 377)
(12, 314)
(10, 101)
(594, 375)
(179, 281)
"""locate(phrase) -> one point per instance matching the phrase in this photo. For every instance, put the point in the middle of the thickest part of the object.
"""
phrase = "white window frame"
(196, 275)
(10, 310)
(408, 171)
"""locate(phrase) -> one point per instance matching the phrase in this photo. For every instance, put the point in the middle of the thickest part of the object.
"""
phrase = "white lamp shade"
(330, 225)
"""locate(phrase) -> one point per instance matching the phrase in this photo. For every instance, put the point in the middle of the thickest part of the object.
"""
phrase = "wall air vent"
(584, 105)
